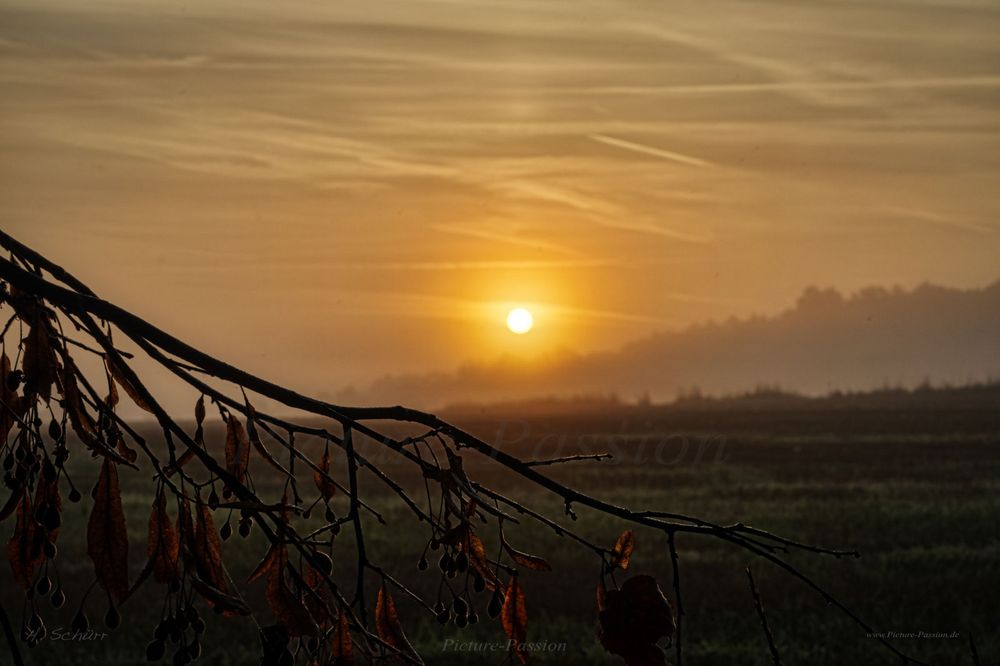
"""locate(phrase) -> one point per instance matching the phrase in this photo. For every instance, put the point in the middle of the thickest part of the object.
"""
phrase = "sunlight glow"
(520, 321)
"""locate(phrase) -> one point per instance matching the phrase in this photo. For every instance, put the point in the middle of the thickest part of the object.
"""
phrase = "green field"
(914, 486)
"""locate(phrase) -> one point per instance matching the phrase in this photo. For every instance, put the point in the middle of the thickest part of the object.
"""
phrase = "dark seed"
(462, 562)
(226, 531)
(74, 495)
(58, 598)
(460, 606)
(422, 564)
(44, 585)
(496, 604)
(444, 616)
(155, 650)
(80, 622)
(461, 621)
(54, 429)
(112, 619)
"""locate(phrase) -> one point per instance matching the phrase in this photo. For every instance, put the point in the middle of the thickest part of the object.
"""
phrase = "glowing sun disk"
(520, 321)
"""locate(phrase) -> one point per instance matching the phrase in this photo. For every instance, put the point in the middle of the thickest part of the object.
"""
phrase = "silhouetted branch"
(300, 590)
(759, 607)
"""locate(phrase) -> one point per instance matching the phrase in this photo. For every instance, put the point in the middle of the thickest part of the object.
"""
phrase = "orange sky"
(330, 192)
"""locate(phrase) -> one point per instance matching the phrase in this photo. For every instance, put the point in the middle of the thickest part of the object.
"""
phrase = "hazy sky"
(348, 189)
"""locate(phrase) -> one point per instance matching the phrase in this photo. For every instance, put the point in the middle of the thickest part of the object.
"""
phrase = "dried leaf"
(119, 376)
(255, 440)
(286, 605)
(514, 617)
(79, 418)
(621, 552)
(473, 546)
(13, 405)
(326, 487)
(265, 566)
(107, 538)
(163, 546)
(39, 363)
(21, 545)
(527, 560)
(237, 448)
(208, 549)
(229, 604)
(387, 624)
(341, 644)
(634, 619)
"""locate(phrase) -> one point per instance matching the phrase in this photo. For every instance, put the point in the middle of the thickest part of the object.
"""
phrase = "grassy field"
(914, 488)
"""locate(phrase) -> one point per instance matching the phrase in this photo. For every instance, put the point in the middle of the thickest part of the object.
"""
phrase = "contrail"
(650, 150)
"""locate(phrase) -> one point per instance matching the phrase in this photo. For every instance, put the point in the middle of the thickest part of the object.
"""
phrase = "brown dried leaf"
(237, 448)
(265, 566)
(229, 604)
(119, 377)
(326, 487)
(11, 400)
(514, 617)
(39, 363)
(107, 538)
(473, 546)
(21, 545)
(387, 624)
(341, 644)
(208, 549)
(162, 547)
(286, 605)
(621, 552)
(527, 560)
(79, 418)
(634, 619)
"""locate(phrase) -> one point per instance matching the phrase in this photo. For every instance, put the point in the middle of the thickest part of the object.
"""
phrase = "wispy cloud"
(938, 219)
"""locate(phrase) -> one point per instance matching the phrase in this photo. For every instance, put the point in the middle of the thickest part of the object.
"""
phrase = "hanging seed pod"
(112, 619)
(80, 622)
(226, 531)
(496, 604)
(194, 649)
(74, 495)
(422, 564)
(161, 631)
(330, 515)
(155, 650)
(322, 563)
(14, 379)
(181, 657)
(198, 626)
(55, 430)
(43, 585)
(444, 564)
(244, 528)
(58, 598)
(461, 621)
(50, 550)
(478, 582)
(462, 562)
(460, 606)
(444, 616)
(473, 617)
(213, 499)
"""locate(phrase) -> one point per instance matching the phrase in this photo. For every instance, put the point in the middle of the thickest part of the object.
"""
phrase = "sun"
(520, 321)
